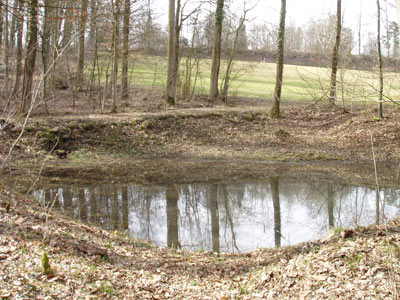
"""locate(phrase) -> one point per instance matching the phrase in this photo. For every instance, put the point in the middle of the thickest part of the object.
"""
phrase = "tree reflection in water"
(226, 217)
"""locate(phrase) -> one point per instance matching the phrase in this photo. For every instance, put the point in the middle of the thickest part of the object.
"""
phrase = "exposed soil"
(197, 143)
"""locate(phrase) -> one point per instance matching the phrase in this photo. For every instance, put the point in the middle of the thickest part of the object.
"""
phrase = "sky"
(299, 12)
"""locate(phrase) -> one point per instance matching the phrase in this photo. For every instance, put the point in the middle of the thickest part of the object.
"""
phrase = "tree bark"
(92, 25)
(125, 47)
(81, 47)
(335, 54)
(46, 48)
(13, 24)
(115, 44)
(68, 19)
(30, 59)
(20, 28)
(216, 52)
(170, 89)
(6, 44)
(380, 63)
(275, 111)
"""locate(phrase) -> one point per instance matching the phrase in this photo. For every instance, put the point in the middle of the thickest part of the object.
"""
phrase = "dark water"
(227, 217)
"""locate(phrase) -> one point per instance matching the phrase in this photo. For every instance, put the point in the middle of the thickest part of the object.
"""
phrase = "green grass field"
(257, 80)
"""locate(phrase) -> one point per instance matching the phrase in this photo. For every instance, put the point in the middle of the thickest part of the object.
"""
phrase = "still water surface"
(237, 217)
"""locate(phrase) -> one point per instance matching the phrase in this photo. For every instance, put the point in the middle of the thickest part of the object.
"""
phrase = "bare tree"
(30, 58)
(68, 22)
(170, 89)
(231, 55)
(20, 28)
(46, 48)
(216, 54)
(81, 45)
(125, 47)
(275, 109)
(380, 63)
(115, 50)
(335, 54)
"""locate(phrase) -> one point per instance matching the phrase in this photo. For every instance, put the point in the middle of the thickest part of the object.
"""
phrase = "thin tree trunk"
(20, 29)
(359, 31)
(216, 53)
(93, 25)
(30, 59)
(6, 45)
(68, 19)
(1, 22)
(81, 47)
(125, 47)
(380, 63)
(170, 89)
(335, 54)
(177, 44)
(46, 49)
(115, 56)
(275, 111)
(230, 60)
(13, 24)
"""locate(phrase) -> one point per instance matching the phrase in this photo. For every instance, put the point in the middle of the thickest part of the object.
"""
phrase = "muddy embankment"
(183, 145)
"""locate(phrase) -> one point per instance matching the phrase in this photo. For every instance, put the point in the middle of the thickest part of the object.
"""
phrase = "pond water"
(237, 217)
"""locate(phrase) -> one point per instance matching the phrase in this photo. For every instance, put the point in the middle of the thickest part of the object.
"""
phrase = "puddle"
(237, 217)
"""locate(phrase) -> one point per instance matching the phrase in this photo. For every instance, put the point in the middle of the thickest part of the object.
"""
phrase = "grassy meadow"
(257, 80)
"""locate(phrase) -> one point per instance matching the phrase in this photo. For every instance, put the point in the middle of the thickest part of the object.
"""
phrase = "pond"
(228, 217)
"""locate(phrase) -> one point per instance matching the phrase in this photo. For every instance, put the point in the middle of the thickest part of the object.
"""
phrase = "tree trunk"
(380, 63)
(13, 24)
(93, 25)
(81, 47)
(216, 53)
(115, 44)
(275, 111)
(6, 45)
(170, 90)
(30, 59)
(46, 48)
(335, 54)
(1, 22)
(68, 22)
(20, 32)
(231, 57)
(177, 43)
(125, 47)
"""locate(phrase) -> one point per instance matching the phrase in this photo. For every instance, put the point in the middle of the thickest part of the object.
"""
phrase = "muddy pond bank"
(205, 144)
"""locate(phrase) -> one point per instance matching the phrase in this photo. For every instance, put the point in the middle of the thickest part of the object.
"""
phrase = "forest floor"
(193, 143)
